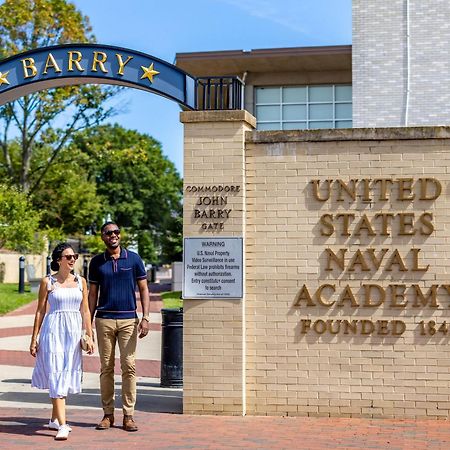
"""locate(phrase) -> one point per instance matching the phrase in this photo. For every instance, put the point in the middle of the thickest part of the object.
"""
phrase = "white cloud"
(289, 13)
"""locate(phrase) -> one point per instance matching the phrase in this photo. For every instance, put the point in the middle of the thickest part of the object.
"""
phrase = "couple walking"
(55, 342)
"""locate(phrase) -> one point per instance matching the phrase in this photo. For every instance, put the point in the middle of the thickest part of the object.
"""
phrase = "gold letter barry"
(100, 61)
(29, 68)
(121, 63)
(51, 62)
(75, 61)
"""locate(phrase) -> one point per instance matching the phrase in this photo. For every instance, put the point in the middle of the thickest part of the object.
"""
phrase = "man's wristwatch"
(147, 318)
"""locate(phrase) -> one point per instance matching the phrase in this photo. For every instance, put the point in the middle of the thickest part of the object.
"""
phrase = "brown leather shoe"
(129, 424)
(107, 422)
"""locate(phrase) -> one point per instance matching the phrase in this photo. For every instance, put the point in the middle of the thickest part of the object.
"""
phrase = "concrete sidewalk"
(25, 411)
(16, 365)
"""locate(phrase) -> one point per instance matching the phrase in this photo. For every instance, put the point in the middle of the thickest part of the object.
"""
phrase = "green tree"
(139, 187)
(26, 25)
(19, 222)
(172, 239)
(67, 198)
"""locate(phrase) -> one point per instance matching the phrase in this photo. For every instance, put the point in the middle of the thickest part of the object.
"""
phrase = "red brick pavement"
(29, 308)
(144, 367)
(26, 331)
(16, 331)
(23, 429)
(147, 368)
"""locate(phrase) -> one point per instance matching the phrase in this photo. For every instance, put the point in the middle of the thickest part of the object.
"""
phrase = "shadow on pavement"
(33, 426)
(156, 288)
(28, 426)
(154, 400)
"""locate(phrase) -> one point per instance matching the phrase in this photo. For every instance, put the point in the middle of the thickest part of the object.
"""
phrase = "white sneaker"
(54, 425)
(63, 433)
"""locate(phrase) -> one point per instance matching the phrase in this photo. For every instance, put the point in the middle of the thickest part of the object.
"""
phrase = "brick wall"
(380, 63)
(293, 372)
(364, 345)
(213, 329)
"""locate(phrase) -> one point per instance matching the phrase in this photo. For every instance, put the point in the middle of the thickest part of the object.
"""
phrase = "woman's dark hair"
(57, 254)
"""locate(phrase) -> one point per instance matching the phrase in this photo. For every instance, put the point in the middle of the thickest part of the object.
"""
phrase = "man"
(113, 276)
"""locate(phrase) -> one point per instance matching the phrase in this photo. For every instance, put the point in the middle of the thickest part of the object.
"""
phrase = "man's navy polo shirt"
(116, 279)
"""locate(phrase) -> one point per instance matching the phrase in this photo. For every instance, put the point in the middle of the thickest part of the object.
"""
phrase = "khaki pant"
(124, 332)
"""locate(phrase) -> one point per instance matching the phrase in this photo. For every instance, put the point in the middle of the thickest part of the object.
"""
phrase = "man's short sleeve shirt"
(117, 279)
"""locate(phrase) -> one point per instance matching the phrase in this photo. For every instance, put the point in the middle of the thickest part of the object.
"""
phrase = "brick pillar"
(214, 155)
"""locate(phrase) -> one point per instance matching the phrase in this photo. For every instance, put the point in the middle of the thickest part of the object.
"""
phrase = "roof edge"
(315, 50)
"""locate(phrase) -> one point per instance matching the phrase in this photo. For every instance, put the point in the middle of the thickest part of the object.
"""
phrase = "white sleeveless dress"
(59, 361)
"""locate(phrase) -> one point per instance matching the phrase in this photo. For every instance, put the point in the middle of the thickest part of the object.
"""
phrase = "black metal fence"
(220, 93)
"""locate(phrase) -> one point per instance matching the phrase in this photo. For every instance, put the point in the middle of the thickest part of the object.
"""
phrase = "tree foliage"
(29, 24)
(67, 199)
(19, 222)
(74, 171)
(138, 186)
(26, 25)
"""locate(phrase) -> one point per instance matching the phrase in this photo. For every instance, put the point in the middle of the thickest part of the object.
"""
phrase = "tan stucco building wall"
(346, 301)
(11, 265)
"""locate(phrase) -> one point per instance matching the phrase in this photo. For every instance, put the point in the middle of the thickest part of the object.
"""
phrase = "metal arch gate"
(75, 64)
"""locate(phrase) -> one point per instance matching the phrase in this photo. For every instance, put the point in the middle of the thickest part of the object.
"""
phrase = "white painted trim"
(408, 63)
(244, 284)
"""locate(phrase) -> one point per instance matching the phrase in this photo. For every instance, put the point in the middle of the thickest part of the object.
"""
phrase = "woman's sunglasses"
(70, 257)
(111, 232)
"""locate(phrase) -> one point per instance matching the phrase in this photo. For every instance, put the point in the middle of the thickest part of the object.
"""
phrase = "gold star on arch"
(3, 79)
(149, 72)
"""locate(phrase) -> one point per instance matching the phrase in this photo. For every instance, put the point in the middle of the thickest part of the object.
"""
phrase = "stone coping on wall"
(348, 134)
(218, 116)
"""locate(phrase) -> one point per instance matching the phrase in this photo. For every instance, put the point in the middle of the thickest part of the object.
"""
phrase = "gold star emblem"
(149, 72)
(3, 79)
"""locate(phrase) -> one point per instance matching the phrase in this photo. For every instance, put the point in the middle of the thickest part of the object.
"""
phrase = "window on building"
(303, 107)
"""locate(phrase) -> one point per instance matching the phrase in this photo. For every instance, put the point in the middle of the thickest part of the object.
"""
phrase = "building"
(346, 253)
(287, 88)
(396, 73)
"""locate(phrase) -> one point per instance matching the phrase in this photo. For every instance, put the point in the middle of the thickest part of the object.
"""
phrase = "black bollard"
(21, 274)
(153, 272)
(85, 268)
(172, 348)
(49, 260)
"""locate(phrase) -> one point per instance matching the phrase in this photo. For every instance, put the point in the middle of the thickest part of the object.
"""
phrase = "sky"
(164, 28)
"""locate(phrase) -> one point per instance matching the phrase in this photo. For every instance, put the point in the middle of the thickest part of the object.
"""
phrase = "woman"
(58, 351)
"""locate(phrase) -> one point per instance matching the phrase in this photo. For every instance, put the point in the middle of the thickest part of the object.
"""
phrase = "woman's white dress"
(58, 360)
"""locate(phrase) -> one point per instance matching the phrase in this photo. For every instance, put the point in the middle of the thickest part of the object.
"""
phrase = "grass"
(172, 299)
(10, 299)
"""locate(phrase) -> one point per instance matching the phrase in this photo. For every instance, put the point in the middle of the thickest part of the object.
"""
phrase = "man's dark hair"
(106, 224)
